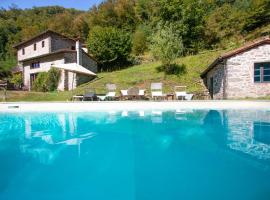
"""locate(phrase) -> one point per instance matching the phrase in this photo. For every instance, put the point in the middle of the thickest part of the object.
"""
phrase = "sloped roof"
(41, 34)
(16, 69)
(246, 47)
(74, 67)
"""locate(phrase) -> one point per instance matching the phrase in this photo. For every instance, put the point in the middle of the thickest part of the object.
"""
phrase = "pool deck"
(132, 105)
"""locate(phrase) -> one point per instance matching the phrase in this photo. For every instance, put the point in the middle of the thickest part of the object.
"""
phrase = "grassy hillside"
(140, 76)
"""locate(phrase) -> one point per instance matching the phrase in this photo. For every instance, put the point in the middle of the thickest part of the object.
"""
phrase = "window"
(43, 44)
(262, 72)
(35, 65)
(23, 51)
(35, 46)
(73, 48)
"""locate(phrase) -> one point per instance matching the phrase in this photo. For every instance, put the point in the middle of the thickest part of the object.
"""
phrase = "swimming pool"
(128, 155)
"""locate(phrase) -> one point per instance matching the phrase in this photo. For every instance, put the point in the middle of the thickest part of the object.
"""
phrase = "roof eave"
(211, 66)
(36, 36)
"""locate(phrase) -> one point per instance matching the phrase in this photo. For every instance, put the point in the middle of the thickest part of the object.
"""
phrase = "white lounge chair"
(142, 94)
(189, 97)
(156, 91)
(124, 94)
(111, 91)
(180, 93)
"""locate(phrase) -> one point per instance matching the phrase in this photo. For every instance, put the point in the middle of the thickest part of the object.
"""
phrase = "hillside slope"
(140, 76)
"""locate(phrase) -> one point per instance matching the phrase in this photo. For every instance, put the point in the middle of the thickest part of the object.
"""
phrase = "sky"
(78, 4)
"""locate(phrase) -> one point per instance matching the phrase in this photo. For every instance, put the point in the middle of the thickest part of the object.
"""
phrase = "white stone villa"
(50, 49)
(241, 73)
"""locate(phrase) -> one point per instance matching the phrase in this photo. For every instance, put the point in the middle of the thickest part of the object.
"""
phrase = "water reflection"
(156, 117)
(46, 135)
(243, 131)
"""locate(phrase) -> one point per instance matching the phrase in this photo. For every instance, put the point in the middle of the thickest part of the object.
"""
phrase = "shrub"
(53, 79)
(47, 81)
(172, 69)
(41, 82)
(17, 80)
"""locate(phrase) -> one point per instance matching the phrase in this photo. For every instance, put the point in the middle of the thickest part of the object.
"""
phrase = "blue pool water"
(144, 155)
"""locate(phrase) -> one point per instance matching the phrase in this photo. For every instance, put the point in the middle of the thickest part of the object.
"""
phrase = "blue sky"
(78, 4)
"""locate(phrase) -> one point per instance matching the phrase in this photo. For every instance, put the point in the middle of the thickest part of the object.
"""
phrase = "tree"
(80, 27)
(258, 16)
(110, 46)
(139, 42)
(167, 45)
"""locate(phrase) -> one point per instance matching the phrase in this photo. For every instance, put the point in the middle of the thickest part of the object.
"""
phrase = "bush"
(17, 80)
(53, 79)
(47, 81)
(41, 82)
(172, 69)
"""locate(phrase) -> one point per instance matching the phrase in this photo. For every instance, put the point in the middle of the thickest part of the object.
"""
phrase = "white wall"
(45, 65)
(29, 48)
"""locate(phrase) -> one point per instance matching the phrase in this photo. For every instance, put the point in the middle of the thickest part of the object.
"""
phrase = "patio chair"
(90, 95)
(124, 94)
(142, 94)
(111, 95)
(133, 93)
(180, 92)
(156, 91)
(189, 97)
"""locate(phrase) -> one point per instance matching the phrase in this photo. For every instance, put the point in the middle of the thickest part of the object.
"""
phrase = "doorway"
(32, 79)
(211, 88)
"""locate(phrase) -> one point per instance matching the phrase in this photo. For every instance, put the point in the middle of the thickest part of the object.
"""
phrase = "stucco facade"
(26, 51)
(232, 76)
(49, 49)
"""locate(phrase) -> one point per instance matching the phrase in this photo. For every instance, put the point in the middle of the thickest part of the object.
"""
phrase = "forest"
(117, 32)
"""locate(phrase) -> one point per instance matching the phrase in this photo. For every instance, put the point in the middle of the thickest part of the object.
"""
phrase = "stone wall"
(70, 57)
(240, 74)
(58, 43)
(89, 63)
(219, 80)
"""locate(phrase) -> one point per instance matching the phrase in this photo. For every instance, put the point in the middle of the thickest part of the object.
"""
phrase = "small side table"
(170, 96)
(77, 97)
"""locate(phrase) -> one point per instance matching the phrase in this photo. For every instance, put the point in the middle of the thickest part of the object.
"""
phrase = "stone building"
(50, 49)
(241, 73)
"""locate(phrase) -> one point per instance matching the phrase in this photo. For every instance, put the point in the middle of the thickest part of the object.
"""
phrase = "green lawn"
(140, 76)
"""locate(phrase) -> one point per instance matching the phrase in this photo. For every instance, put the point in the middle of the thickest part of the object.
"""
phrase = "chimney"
(79, 52)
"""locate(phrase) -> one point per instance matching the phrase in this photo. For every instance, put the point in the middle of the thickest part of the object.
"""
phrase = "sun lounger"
(181, 94)
(111, 95)
(90, 95)
(156, 91)
(142, 94)
(124, 94)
